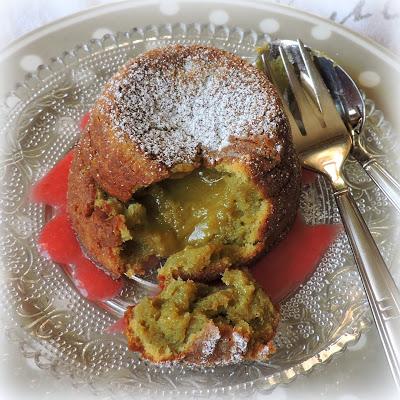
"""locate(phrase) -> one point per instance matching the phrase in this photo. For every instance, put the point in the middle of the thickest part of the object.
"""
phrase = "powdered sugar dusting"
(183, 101)
(264, 353)
(209, 343)
(239, 346)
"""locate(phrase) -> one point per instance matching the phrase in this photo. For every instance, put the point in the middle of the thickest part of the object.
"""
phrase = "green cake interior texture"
(170, 323)
(191, 222)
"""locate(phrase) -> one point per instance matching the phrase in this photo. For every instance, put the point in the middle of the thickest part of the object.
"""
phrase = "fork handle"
(382, 292)
(386, 182)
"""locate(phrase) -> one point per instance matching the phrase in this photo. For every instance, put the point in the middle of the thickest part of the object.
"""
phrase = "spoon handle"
(386, 182)
(382, 292)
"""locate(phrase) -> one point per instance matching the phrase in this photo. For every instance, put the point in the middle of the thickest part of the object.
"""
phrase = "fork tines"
(317, 109)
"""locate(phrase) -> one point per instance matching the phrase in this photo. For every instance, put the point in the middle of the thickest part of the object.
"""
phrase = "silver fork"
(323, 143)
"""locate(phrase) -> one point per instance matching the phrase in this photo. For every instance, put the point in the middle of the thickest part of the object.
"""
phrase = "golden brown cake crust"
(98, 234)
(120, 150)
(126, 160)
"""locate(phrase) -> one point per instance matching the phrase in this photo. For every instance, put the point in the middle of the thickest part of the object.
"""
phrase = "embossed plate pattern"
(64, 332)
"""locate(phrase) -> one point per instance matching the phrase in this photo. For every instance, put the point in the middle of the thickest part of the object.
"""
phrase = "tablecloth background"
(377, 19)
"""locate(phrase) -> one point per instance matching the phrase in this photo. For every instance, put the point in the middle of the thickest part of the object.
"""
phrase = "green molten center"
(195, 216)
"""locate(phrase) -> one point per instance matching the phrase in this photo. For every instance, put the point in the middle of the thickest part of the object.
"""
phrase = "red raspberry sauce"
(293, 260)
(58, 240)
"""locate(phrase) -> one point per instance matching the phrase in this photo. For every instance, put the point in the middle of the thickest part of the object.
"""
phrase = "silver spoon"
(350, 103)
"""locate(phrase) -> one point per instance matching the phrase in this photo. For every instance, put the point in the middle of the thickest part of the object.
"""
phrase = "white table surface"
(361, 372)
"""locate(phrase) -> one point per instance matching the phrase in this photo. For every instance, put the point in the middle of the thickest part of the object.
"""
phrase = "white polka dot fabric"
(169, 7)
(369, 79)
(100, 32)
(30, 62)
(269, 25)
(219, 17)
(321, 32)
